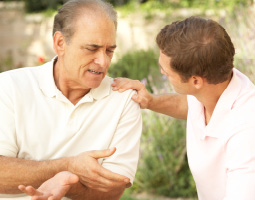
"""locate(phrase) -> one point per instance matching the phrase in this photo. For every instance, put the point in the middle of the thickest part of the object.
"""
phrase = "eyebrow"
(99, 46)
(161, 68)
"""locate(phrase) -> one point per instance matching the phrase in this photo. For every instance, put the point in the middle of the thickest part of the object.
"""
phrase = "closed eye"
(93, 50)
(110, 51)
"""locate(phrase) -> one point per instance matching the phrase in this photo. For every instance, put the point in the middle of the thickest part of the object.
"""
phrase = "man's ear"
(59, 43)
(197, 82)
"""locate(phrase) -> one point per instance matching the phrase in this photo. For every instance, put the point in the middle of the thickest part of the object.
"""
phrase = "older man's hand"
(92, 174)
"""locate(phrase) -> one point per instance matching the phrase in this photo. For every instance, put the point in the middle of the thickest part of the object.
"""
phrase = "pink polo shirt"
(222, 154)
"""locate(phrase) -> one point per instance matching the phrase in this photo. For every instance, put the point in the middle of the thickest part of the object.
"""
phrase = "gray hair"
(64, 20)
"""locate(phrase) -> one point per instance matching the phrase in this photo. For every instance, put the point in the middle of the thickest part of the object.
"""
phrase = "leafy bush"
(241, 28)
(7, 62)
(39, 5)
(152, 8)
(163, 167)
(118, 2)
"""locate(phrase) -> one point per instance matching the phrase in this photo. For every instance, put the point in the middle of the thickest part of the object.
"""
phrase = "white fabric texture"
(37, 122)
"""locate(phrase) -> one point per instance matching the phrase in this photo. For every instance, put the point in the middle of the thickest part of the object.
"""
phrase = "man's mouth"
(94, 72)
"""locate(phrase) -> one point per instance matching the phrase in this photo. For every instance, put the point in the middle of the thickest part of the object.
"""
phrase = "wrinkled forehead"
(94, 29)
(95, 11)
(96, 21)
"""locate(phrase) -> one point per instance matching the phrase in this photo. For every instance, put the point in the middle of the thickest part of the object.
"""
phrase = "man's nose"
(102, 59)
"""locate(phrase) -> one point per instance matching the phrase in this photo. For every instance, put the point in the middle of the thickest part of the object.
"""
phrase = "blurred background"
(163, 173)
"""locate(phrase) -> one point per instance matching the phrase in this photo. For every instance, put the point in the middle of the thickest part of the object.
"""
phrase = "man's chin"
(93, 86)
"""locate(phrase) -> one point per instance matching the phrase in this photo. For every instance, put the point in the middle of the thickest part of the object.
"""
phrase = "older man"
(53, 116)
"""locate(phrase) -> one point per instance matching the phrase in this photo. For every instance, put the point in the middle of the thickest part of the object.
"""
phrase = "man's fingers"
(29, 190)
(35, 194)
(22, 187)
(104, 184)
(128, 185)
(39, 198)
(71, 179)
(102, 153)
(114, 177)
(135, 98)
(143, 97)
(54, 198)
(123, 84)
(104, 178)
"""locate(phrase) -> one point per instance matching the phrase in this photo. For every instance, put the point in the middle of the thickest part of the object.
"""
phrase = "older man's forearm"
(81, 192)
(16, 171)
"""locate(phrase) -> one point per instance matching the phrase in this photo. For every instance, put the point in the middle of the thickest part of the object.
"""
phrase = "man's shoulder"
(20, 72)
(109, 80)
(106, 93)
(21, 78)
(245, 98)
(14, 75)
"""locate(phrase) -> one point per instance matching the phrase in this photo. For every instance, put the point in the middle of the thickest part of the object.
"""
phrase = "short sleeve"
(8, 145)
(127, 141)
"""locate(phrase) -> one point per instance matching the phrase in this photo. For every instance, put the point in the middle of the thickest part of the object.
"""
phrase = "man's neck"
(68, 89)
(209, 97)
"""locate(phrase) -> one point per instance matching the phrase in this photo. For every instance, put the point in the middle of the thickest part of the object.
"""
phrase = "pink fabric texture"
(221, 154)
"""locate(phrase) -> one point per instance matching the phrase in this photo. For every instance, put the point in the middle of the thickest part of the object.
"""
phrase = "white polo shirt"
(37, 122)
(221, 155)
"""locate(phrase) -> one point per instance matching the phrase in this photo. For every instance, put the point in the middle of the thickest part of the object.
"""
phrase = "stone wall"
(26, 39)
(23, 38)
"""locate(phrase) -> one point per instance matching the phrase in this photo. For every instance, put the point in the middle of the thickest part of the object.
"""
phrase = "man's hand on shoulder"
(143, 97)
(174, 105)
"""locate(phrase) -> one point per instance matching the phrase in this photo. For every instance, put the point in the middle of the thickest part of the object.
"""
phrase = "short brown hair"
(199, 47)
(64, 20)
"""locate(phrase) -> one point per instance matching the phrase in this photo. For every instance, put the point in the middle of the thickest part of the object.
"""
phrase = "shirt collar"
(98, 93)
(103, 90)
(46, 79)
(230, 94)
(225, 104)
(48, 86)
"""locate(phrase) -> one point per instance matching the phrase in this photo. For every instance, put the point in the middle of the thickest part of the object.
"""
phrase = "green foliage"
(40, 5)
(163, 167)
(213, 3)
(127, 195)
(241, 28)
(6, 62)
(148, 6)
(118, 2)
(246, 65)
(156, 7)
(137, 65)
